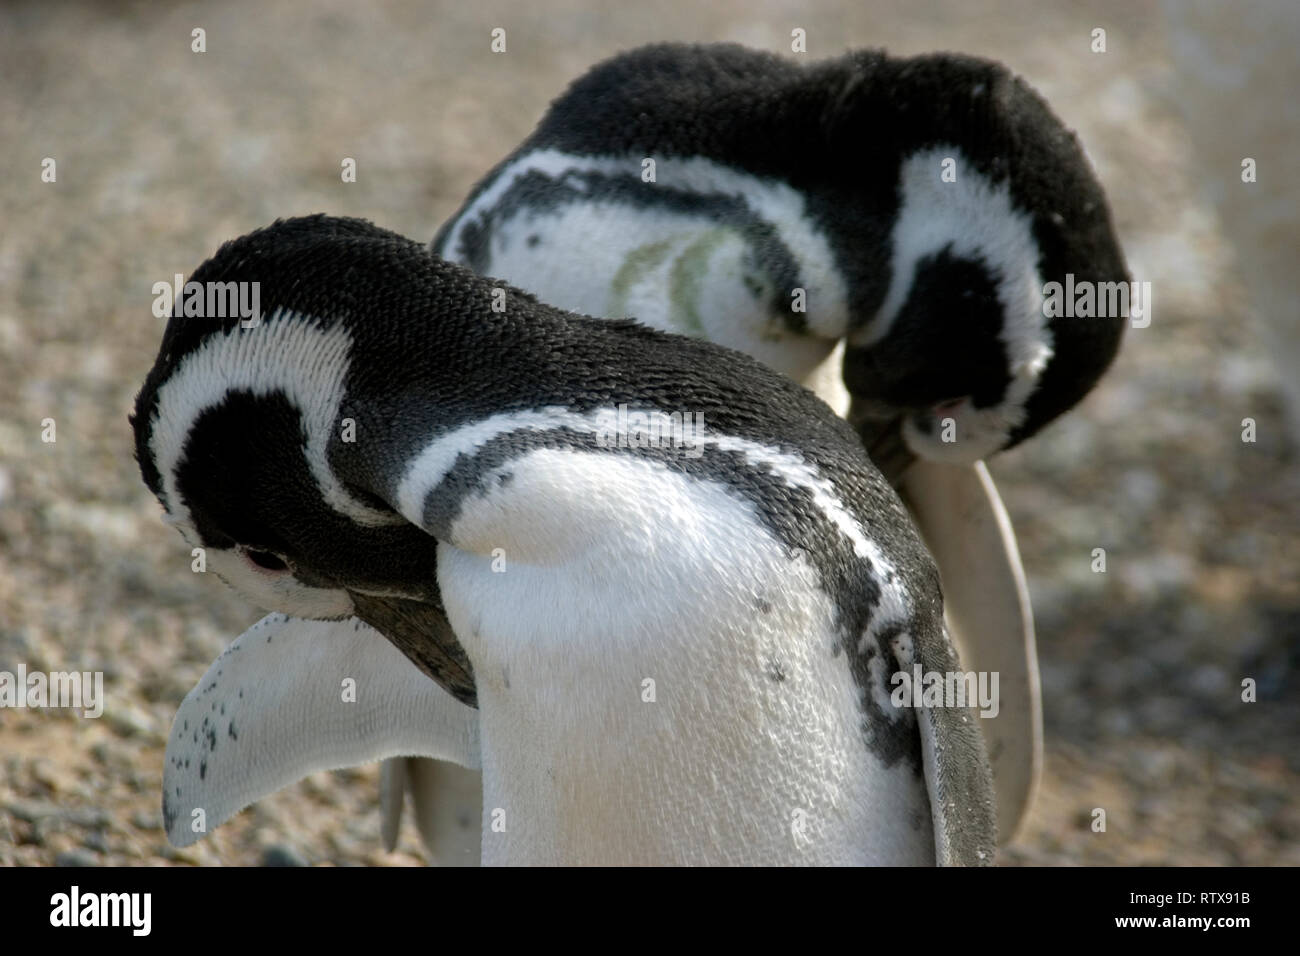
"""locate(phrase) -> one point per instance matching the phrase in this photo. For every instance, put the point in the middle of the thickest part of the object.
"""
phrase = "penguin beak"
(422, 632)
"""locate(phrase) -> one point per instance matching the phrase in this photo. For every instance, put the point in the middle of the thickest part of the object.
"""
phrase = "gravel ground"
(163, 153)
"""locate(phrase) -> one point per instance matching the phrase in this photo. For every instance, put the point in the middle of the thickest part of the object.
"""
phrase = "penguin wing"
(986, 606)
(953, 760)
(290, 697)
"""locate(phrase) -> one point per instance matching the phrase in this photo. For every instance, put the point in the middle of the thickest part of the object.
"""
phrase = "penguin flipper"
(986, 605)
(954, 761)
(291, 697)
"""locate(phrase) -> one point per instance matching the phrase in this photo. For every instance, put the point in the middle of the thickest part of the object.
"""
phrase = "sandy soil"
(163, 153)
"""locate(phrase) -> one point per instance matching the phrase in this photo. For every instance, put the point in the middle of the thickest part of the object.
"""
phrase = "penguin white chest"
(657, 678)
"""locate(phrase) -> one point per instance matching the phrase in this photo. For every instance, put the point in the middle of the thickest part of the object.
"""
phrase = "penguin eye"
(265, 559)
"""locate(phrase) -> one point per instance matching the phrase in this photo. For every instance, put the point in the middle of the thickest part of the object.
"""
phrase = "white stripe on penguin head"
(289, 354)
(979, 221)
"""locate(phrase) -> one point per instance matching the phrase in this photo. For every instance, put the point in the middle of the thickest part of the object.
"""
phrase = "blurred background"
(163, 153)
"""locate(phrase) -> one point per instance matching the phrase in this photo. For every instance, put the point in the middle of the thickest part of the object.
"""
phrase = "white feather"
(290, 354)
(558, 275)
(620, 571)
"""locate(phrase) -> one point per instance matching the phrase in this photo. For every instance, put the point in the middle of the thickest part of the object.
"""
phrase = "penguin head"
(990, 201)
(239, 483)
(943, 375)
(239, 430)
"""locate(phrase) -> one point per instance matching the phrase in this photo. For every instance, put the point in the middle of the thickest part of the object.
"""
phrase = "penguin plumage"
(883, 230)
(790, 207)
(385, 443)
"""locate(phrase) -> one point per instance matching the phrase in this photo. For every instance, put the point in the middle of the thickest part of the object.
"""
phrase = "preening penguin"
(885, 224)
(914, 208)
(679, 642)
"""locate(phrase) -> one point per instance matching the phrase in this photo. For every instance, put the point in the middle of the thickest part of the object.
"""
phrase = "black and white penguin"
(913, 208)
(886, 224)
(679, 640)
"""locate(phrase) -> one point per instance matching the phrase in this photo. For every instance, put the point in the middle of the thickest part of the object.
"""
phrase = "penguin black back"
(426, 353)
(943, 283)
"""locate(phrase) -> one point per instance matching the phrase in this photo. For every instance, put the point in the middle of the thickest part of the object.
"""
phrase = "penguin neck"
(462, 368)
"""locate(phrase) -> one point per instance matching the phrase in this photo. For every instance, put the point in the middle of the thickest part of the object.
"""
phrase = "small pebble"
(76, 858)
(278, 854)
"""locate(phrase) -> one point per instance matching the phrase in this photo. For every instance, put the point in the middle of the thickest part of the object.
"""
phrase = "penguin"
(678, 644)
(879, 229)
(909, 210)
